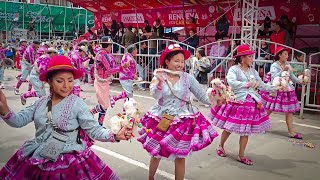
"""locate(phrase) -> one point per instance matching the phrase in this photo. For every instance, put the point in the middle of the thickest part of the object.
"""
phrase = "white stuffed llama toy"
(282, 82)
(130, 118)
(306, 76)
(217, 92)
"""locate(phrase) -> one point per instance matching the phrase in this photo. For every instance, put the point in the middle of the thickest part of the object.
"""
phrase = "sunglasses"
(173, 46)
(52, 52)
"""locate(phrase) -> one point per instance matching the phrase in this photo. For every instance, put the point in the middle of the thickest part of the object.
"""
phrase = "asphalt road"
(274, 157)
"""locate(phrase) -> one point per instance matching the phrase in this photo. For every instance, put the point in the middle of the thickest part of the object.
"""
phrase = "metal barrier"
(221, 52)
(148, 60)
(312, 102)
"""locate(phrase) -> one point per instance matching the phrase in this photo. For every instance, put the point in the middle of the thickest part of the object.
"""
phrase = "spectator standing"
(222, 27)
(287, 24)
(114, 31)
(193, 40)
(32, 32)
(192, 25)
(278, 36)
(106, 30)
(147, 27)
(265, 29)
(128, 37)
(159, 29)
(120, 32)
(92, 36)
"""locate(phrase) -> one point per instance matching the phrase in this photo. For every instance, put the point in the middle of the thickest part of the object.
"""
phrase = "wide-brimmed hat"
(47, 43)
(60, 63)
(84, 49)
(84, 41)
(36, 42)
(106, 40)
(279, 49)
(50, 49)
(22, 40)
(243, 50)
(173, 48)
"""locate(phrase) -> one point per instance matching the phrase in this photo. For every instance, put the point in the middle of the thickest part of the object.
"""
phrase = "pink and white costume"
(77, 61)
(128, 74)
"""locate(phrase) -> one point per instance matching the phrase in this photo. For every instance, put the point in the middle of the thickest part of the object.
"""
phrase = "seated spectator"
(202, 67)
(264, 54)
(218, 49)
(298, 68)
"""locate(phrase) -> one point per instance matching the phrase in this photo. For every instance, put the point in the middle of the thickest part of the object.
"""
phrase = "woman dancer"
(57, 151)
(283, 101)
(173, 128)
(246, 116)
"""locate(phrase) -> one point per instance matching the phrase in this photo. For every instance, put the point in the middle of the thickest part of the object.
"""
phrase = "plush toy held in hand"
(305, 77)
(218, 92)
(117, 122)
(282, 82)
(130, 118)
(130, 108)
(230, 96)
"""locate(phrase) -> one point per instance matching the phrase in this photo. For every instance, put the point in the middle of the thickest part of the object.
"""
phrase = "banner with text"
(302, 12)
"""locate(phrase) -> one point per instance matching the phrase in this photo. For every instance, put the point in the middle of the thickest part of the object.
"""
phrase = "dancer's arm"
(13, 119)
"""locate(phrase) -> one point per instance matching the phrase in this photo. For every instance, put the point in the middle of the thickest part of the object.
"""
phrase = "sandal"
(221, 152)
(23, 100)
(295, 136)
(245, 160)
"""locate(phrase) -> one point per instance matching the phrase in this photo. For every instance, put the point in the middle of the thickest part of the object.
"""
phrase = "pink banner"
(301, 12)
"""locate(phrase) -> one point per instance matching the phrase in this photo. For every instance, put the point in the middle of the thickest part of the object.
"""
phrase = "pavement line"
(148, 97)
(131, 161)
(304, 125)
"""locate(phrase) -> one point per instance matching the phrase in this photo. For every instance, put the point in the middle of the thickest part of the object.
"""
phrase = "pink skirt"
(72, 166)
(243, 119)
(182, 137)
(102, 93)
(281, 102)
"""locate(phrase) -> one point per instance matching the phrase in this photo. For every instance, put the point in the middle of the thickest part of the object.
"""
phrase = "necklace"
(172, 76)
(247, 74)
(281, 66)
(244, 69)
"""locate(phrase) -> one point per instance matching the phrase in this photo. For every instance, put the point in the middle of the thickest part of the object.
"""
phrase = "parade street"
(273, 155)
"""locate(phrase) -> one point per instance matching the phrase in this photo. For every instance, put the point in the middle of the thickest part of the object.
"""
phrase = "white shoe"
(2, 86)
(16, 92)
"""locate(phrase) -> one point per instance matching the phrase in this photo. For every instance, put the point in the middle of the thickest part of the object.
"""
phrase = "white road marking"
(304, 125)
(131, 161)
(141, 96)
